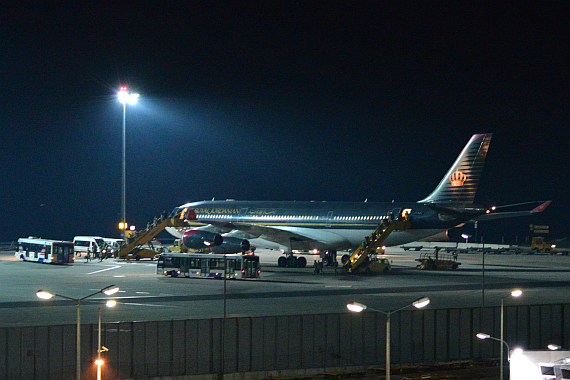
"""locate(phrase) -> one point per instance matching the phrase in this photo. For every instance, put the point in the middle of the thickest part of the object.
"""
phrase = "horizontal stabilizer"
(515, 210)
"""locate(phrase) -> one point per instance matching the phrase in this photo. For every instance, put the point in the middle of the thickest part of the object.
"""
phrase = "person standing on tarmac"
(88, 255)
(316, 267)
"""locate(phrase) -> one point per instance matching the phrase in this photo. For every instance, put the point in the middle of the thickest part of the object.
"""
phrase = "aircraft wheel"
(292, 261)
(282, 262)
(173, 274)
(454, 266)
(385, 270)
(138, 258)
(344, 258)
(301, 262)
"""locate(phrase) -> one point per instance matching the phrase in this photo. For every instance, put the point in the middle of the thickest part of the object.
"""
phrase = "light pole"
(99, 361)
(108, 290)
(125, 97)
(358, 307)
(514, 293)
(487, 336)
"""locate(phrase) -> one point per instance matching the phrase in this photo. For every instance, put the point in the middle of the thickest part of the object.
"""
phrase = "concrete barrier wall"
(282, 344)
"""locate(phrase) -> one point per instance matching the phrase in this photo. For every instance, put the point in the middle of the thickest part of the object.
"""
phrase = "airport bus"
(45, 250)
(191, 264)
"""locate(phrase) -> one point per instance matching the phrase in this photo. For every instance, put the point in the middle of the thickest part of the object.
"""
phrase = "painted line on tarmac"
(106, 269)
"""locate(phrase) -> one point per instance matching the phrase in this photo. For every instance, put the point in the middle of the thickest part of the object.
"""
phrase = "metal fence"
(272, 346)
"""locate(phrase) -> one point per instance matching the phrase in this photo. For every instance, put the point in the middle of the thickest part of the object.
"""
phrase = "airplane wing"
(511, 211)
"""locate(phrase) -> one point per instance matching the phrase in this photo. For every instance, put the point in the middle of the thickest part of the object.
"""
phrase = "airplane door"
(242, 213)
(329, 218)
(396, 213)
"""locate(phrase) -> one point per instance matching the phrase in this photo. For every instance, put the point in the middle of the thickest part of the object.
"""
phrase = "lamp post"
(125, 97)
(99, 361)
(108, 290)
(358, 307)
(487, 336)
(514, 293)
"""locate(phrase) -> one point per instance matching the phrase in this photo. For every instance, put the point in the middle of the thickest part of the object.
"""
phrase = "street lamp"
(514, 293)
(99, 361)
(108, 290)
(358, 307)
(125, 97)
(487, 336)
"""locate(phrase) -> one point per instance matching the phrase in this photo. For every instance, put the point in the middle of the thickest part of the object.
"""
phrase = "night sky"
(277, 100)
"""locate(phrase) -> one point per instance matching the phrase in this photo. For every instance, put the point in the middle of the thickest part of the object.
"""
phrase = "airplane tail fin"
(459, 184)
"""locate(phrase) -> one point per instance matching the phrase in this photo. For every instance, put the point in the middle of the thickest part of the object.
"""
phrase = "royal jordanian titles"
(232, 225)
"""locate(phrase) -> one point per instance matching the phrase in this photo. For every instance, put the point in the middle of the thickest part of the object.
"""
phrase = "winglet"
(542, 207)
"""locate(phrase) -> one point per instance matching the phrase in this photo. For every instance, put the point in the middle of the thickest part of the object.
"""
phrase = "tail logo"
(457, 179)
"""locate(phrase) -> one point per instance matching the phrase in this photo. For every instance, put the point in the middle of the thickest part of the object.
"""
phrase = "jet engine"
(232, 245)
(197, 239)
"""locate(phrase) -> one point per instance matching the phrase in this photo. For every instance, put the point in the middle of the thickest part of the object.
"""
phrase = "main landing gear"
(291, 261)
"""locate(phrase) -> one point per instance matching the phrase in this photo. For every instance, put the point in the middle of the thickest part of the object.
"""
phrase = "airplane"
(339, 226)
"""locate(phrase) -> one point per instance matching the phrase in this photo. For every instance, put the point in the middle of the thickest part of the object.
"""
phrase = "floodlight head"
(109, 290)
(111, 303)
(356, 307)
(123, 96)
(483, 336)
(99, 362)
(516, 293)
(44, 295)
(422, 302)
(133, 99)
(553, 347)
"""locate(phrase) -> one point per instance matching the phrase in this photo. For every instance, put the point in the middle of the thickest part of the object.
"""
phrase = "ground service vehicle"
(178, 246)
(190, 264)
(45, 250)
(113, 245)
(538, 244)
(88, 243)
(428, 260)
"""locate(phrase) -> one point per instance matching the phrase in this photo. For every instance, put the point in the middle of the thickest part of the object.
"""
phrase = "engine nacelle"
(232, 245)
(197, 239)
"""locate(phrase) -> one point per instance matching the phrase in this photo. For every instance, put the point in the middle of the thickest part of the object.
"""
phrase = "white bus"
(45, 250)
(191, 264)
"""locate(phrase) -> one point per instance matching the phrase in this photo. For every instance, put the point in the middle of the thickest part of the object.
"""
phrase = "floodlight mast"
(125, 97)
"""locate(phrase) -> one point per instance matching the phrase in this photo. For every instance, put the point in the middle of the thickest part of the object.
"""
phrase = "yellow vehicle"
(540, 245)
(429, 261)
(178, 246)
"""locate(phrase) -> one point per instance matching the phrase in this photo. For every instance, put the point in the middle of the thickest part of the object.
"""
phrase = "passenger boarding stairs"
(142, 237)
(362, 258)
